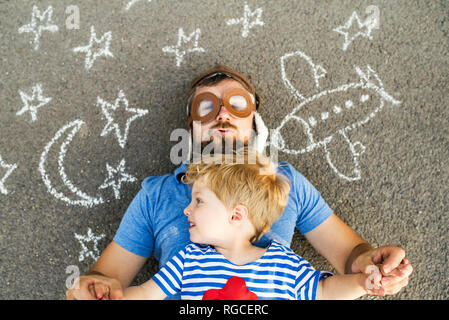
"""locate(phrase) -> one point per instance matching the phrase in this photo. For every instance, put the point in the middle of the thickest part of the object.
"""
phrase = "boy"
(233, 205)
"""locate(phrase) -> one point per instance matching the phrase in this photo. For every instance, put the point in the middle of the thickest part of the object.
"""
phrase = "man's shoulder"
(290, 172)
(151, 183)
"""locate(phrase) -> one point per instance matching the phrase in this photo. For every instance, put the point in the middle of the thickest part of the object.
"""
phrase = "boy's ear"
(239, 213)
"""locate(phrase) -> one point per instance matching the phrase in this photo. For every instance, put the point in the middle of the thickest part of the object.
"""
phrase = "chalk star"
(131, 3)
(43, 25)
(33, 102)
(183, 39)
(116, 176)
(346, 29)
(111, 125)
(96, 47)
(9, 169)
(83, 240)
(245, 20)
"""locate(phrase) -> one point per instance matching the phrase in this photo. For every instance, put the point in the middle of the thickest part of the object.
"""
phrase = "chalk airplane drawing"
(318, 72)
(96, 47)
(9, 169)
(182, 41)
(84, 240)
(372, 98)
(86, 200)
(29, 101)
(131, 3)
(245, 20)
(39, 23)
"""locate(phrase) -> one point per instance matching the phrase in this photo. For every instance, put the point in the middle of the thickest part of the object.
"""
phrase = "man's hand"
(95, 287)
(395, 269)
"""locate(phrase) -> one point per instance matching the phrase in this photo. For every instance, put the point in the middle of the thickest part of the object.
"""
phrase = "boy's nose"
(186, 211)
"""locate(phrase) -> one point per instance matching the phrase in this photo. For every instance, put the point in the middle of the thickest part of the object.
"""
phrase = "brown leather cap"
(223, 69)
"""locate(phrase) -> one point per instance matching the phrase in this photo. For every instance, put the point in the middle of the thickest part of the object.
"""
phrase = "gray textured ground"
(401, 197)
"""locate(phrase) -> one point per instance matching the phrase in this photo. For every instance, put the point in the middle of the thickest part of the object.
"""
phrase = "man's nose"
(223, 114)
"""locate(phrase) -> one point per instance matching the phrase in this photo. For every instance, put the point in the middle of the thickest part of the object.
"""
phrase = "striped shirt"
(278, 274)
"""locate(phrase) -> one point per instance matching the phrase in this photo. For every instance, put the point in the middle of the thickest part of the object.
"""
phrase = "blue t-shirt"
(155, 221)
(279, 274)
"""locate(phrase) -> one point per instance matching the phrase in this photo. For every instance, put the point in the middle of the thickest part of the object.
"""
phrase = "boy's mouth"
(191, 224)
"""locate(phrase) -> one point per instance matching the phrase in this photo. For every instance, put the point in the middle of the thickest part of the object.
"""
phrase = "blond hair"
(254, 184)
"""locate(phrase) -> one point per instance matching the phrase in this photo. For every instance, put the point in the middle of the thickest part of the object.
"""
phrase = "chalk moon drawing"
(320, 118)
(69, 131)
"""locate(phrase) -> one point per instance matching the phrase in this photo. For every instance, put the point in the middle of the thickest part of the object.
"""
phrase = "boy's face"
(208, 217)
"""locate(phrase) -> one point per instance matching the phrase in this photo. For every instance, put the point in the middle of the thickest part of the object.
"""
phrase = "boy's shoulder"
(198, 249)
(281, 249)
(277, 246)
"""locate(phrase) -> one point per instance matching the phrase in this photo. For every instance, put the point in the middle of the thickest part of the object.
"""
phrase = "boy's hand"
(95, 287)
(394, 269)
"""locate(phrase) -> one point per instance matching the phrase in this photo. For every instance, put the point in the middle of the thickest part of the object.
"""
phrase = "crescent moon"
(86, 200)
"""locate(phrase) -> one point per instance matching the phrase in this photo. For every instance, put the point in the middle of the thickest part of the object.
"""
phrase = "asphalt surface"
(54, 166)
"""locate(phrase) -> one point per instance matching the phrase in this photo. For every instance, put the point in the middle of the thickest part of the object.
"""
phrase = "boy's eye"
(198, 200)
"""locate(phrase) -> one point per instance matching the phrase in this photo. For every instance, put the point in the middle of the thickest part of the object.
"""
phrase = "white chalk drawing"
(39, 23)
(131, 3)
(111, 125)
(372, 98)
(364, 29)
(9, 169)
(96, 47)
(84, 240)
(246, 22)
(317, 72)
(116, 176)
(86, 200)
(33, 101)
(183, 41)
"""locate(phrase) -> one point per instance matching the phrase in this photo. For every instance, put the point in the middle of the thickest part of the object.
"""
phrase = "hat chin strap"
(262, 133)
(258, 142)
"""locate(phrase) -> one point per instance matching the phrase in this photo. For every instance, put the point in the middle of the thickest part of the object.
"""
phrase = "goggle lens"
(205, 107)
(238, 103)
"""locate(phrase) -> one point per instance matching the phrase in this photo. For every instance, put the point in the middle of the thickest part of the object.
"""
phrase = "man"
(222, 107)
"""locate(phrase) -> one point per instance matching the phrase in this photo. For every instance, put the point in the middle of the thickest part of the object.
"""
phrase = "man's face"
(225, 126)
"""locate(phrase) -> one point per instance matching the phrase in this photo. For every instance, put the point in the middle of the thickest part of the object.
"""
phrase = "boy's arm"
(147, 291)
(167, 281)
(342, 287)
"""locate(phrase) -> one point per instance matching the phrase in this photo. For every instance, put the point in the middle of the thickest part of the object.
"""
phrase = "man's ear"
(239, 213)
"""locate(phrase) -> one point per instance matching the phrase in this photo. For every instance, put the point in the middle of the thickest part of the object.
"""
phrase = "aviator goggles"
(206, 106)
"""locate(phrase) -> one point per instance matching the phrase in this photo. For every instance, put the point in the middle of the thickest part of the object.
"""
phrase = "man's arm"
(349, 253)
(337, 242)
(115, 269)
(118, 263)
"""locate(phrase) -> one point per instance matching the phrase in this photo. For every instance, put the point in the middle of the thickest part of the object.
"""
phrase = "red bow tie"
(234, 289)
